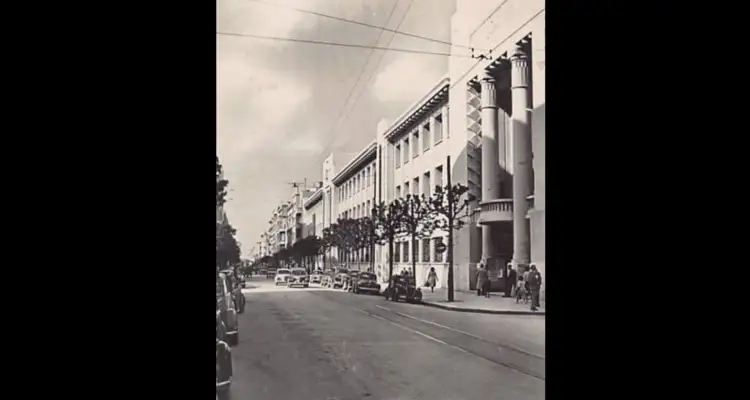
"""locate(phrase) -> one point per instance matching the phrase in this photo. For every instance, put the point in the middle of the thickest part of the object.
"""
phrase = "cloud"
(253, 104)
(406, 79)
(261, 18)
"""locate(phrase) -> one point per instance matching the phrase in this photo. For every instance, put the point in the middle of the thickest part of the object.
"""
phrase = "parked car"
(352, 275)
(366, 282)
(339, 280)
(403, 287)
(242, 279)
(223, 369)
(226, 313)
(316, 276)
(270, 272)
(298, 277)
(282, 276)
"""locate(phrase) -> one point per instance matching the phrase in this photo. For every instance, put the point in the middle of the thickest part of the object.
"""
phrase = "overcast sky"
(277, 101)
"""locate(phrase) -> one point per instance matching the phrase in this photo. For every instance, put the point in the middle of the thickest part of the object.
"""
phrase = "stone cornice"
(314, 199)
(434, 98)
(368, 154)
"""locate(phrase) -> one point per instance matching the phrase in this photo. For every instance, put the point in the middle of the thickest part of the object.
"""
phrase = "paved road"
(322, 344)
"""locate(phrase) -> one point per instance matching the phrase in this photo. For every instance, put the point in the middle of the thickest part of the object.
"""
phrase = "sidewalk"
(470, 302)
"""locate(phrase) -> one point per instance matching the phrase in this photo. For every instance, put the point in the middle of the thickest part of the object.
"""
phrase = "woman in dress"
(432, 279)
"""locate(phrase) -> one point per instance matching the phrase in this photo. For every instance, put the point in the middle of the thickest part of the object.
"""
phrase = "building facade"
(414, 150)
(488, 117)
(497, 127)
(355, 189)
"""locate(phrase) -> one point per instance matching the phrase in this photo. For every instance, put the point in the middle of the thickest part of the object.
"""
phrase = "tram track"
(508, 356)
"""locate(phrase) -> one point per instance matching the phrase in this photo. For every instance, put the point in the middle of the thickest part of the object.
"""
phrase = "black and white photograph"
(380, 199)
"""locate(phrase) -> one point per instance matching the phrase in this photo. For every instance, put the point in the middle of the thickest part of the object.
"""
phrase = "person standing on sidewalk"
(535, 284)
(432, 279)
(483, 281)
(510, 280)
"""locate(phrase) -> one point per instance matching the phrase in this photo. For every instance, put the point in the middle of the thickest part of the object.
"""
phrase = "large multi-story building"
(355, 194)
(487, 117)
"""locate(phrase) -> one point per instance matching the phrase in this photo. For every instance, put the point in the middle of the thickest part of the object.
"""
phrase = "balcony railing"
(496, 210)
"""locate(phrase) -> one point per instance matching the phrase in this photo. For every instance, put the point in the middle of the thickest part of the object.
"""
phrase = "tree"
(326, 242)
(227, 249)
(387, 227)
(417, 218)
(363, 235)
(345, 236)
(221, 185)
(451, 214)
(306, 248)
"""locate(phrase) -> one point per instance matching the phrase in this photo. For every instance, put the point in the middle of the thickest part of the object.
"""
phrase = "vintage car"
(298, 277)
(316, 276)
(366, 282)
(352, 275)
(223, 369)
(229, 303)
(339, 280)
(270, 272)
(282, 276)
(403, 287)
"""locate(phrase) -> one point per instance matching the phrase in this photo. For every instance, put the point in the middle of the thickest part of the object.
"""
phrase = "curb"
(481, 310)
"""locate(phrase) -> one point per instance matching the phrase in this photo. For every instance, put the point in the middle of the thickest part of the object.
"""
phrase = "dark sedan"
(366, 282)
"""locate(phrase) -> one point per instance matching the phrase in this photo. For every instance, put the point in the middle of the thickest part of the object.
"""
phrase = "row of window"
(359, 182)
(427, 186)
(359, 211)
(411, 146)
(401, 251)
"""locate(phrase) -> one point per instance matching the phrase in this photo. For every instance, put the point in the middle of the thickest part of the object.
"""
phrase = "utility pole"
(450, 233)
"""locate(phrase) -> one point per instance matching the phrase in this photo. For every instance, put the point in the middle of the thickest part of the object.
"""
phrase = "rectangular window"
(406, 189)
(438, 176)
(438, 129)
(398, 191)
(406, 151)
(398, 155)
(438, 256)
(426, 250)
(396, 252)
(426, 188)
(415, 187)
(415, 148)
(405, 254)
(415, 250)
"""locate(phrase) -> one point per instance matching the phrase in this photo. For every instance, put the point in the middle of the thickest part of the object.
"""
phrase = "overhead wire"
(360, 46)
(403, 18)
(382, 28)
(479, 59)
(335, 124)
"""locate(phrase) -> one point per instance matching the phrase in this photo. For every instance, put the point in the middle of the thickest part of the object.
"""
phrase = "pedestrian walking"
(526, 279)
(510, 280)
(483, 281)
(535, 284)
(432, 279)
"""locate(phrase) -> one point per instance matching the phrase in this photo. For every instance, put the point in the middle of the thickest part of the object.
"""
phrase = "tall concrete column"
(490, 166)
(522, 167)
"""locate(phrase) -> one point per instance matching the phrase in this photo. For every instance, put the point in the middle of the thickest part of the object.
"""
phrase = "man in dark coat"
(510, 280)
(535, 284)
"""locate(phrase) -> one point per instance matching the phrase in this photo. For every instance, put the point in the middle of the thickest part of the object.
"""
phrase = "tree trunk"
(414, 256)
(450, 260)
(390, 260)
